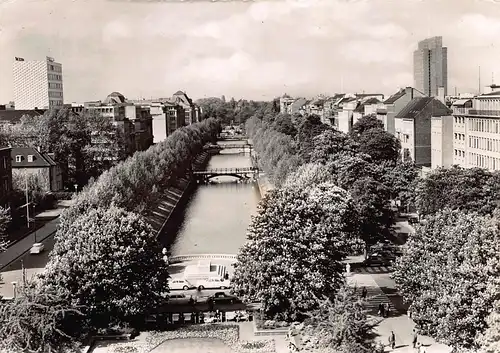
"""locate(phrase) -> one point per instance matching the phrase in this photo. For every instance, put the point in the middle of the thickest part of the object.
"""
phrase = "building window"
(19, 158)
(30, 158)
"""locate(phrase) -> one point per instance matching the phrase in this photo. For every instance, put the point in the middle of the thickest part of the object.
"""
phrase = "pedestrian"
(392, 340)
(387, 310)
(364, 293)
(381, 309)
(415, 338)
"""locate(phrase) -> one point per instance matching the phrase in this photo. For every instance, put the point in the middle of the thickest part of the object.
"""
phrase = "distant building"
(192, 111)
(14, 116)
(134, 122)
(366, 107)
(285, 102)
(5, 177)
(394, 104)
(413, 128)
(430, 67)
(32, 161)
(37, 84)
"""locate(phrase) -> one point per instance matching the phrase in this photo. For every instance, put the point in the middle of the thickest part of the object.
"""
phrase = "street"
(33, 264)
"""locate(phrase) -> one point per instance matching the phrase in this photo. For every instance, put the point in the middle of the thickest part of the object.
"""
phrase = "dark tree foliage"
(330, 144)
(365, 124)
(309, 128)
(380, 145)
(283, 123)
(473, 189)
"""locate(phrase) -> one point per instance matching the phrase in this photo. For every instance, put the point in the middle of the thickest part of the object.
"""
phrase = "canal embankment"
(173, 199)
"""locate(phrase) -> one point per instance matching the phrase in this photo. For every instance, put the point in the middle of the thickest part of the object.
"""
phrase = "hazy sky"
(255, 50)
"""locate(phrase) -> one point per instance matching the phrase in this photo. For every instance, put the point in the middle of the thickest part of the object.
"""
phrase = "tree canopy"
(111, 264)
(295, 245)
(449, 273)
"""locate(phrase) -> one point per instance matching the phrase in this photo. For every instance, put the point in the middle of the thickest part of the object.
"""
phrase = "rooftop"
(39, 159)
(417, 105)
(14, 116)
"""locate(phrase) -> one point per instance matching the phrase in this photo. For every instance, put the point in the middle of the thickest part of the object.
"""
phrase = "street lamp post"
(14, 284)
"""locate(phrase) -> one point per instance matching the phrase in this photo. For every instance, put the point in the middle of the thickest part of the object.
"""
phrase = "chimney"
(409, 91)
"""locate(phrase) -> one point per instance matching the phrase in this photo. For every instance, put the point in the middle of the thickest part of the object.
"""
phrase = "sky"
(246, 49)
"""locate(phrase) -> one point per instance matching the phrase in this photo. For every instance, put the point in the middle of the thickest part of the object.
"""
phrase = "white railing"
(191, 257)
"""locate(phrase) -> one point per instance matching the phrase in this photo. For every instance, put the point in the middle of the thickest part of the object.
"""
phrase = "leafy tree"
(402, 180)
(449, 273)
(308, 176)
(340, 324)
(380, 145)
(5, 220)
(331, 143)
(489, 342)
(295, 246)
(39, 319)
(474, 189)
(309, 128)
(111, 263)
(283, 124)
(365, 124)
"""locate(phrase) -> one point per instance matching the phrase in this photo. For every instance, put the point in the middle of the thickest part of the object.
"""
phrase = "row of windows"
(55, 94)
(459, 120)
(19, 158)
(483, 125)
(55, 68)
(55, 77)
(484, 143)
(55, 85)
(459, 153)
(481, 161)
(460, 137)
(55, 103)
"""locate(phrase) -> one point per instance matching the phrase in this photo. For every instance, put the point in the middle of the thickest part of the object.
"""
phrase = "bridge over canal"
(240, 173)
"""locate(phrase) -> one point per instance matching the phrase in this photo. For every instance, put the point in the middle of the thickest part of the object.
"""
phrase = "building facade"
(442, 142)
(32, 161)
(191, 111)
(430, 67)
(5, 177)
(393, 105)
(37, 84)
(476, 132)
(413, 128)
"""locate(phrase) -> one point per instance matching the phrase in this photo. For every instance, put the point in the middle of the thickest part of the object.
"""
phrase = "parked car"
(221, 297)
(379, 259)
(214, 283)
(37, 248)
(179, 284)
(179, 299)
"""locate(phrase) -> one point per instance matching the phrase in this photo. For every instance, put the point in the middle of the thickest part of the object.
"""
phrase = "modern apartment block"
(430, 67)
(476, 131)
(37, 84)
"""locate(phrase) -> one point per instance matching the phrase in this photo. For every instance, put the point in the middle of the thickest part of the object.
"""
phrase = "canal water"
(217, 215)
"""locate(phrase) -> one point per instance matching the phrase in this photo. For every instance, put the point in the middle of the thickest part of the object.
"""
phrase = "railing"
(227, 171)
(484, 112)
(183, 258)
(464, 111)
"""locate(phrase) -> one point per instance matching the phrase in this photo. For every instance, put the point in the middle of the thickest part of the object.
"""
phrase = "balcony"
(477, 112)
(461, 111)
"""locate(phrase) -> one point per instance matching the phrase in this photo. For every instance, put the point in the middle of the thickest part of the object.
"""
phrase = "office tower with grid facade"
(430, 67)
(37, 84)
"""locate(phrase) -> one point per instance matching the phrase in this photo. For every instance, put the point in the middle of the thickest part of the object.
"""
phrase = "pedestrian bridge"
(228, 146)
(240, 173)
(192, 257)
(233, 137)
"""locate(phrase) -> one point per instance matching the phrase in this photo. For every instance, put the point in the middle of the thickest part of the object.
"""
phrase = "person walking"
(381, 309)
(415, 338)
(364, 293)
(387, 310)
(392, 340)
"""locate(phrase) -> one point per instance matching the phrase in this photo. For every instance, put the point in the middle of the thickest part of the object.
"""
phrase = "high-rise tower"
(430, 67)
(37, 84)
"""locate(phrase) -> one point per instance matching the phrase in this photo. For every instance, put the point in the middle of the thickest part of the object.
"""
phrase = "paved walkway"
(401, 324)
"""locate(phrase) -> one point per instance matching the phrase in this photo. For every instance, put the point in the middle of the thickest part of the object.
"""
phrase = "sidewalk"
(401, 324)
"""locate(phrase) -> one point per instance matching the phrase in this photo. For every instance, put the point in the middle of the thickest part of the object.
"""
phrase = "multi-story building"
(192, 111)
(476, 131)
(285, 102)
(37, 84)
(442, 141)
(5, 177)
(394, 104)
(430, 67)
(28, 160)
(365, 107)
(413, 128)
